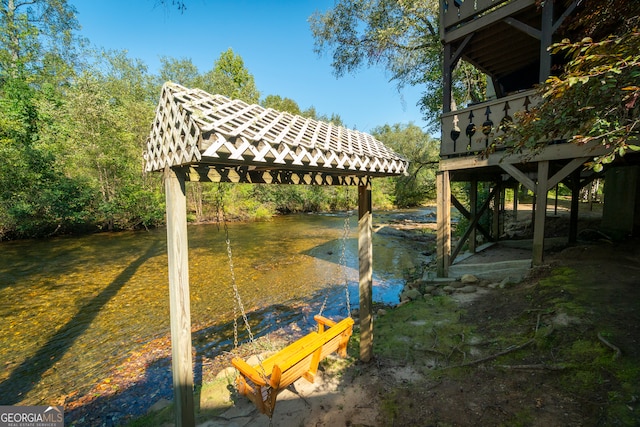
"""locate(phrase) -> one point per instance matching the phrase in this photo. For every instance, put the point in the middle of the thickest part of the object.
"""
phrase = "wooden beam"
(540, 212)
(484, 20)
(575, 206)
(365, 261)
(545, 40)
(520, 176)
(497, 208)
(252, 175)
(472, 224)
(527, 29)
(550, 152)
(447, 79)
(564, 15)
(565, 171)
(443, 219)
(180, 310)
(464, 212)
(473, 210)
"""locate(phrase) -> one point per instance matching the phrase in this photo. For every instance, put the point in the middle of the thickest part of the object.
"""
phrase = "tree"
(107, 114)
(229, 77)
(595, 98)
(402, 37)
(181, 71)
(422, 152)
(35, 34)
(281, 104)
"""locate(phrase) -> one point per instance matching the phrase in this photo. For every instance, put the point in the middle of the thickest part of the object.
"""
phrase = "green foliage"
(281, 104)
(229, 77)
(595, 99)
(72, 130)
(422, 152)
(402, 37)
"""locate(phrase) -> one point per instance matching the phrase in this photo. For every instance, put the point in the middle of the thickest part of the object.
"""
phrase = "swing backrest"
(299, 359)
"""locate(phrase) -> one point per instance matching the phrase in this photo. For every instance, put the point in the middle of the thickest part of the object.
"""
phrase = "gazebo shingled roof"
(192, 127)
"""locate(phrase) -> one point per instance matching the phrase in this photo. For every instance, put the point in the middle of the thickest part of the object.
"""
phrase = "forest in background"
(74, 122)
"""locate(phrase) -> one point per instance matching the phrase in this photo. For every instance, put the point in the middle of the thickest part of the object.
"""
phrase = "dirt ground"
(559, 348)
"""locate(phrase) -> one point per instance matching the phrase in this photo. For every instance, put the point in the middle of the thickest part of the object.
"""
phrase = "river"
(73, 308)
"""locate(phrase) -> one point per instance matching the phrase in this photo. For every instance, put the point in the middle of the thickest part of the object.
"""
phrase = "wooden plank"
(527, 29)
(546, 38)
(443, 220)
(485, 20)
(460, 207)
(575, 206)
(472, 224)
(540, 213)
(473, 211)
(497, 208)
(519, 175)
(180, 310)
(565, 171)
(551, 152)
(365, 262)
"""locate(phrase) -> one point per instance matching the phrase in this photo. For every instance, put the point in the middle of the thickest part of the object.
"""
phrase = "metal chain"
(236, 292)
(346, 231)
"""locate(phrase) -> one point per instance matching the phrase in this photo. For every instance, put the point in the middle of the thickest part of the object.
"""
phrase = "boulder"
(468, 278)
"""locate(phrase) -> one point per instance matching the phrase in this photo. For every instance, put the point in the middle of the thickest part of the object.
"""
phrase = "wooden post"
(365, 261)
(575, 206)
(540, 212)
(473, 209)
(443, 218)
(516, 194)
(545, 40)
(177, 250)
(497, 205)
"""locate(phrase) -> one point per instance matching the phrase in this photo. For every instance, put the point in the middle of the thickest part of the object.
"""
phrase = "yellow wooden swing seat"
(262, 383)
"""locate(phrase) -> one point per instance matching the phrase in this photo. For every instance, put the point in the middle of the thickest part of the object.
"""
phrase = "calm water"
(73, 308)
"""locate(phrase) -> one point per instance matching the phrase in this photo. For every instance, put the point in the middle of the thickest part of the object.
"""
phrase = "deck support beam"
(443, 220)
(540, 212)
(365, 262)
(180, 307)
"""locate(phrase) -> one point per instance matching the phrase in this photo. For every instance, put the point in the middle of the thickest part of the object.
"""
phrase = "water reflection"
(74, 308)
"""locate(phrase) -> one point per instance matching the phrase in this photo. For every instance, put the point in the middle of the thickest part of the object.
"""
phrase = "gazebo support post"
(365, 262)
(180, 310)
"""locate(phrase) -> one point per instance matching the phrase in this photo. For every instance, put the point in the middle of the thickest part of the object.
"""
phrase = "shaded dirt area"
(559, 349)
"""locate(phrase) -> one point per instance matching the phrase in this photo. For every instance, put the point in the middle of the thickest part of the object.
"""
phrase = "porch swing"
(261, 383)
(200, 137)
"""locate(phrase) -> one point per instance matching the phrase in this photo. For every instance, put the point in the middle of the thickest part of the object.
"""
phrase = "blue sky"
(272, 37)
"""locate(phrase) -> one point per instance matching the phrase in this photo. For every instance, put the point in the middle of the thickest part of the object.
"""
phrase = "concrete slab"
(492, 271)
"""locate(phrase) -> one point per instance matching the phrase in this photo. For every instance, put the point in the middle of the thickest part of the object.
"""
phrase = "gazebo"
(197, 136)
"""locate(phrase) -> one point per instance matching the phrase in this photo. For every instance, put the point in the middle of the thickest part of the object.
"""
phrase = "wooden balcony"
(471, 130)
(461, 17)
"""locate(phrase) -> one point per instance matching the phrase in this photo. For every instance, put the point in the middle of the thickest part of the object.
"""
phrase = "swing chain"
(236, 293)
(346, 231)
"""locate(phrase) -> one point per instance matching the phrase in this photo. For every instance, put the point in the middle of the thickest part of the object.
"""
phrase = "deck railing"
(471, 130)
